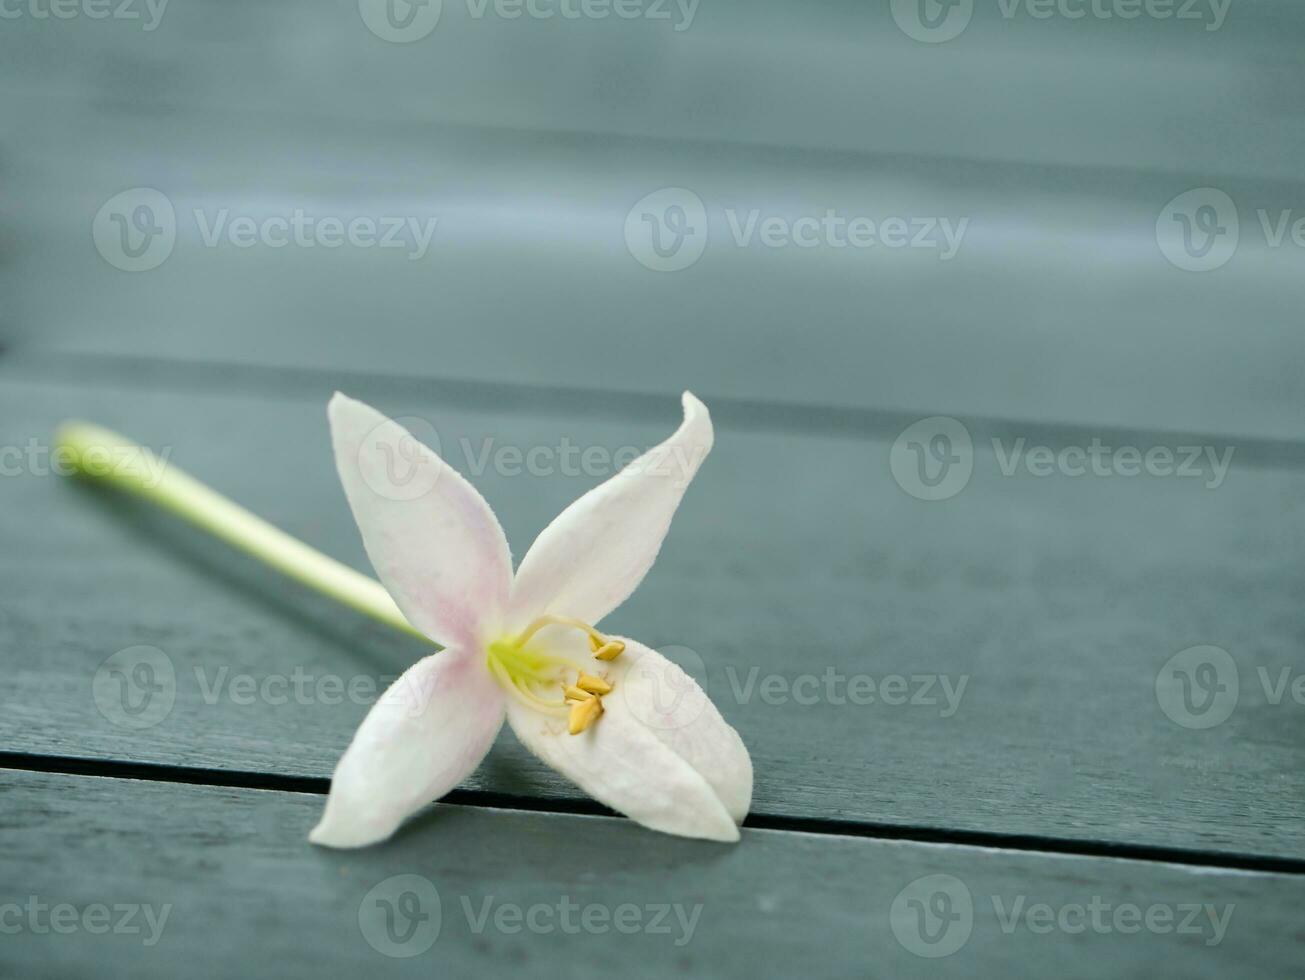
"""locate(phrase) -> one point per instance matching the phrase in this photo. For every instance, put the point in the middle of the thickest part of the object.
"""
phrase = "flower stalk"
(139, 472)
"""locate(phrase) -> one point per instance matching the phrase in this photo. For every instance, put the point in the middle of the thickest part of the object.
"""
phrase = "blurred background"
(646, 195)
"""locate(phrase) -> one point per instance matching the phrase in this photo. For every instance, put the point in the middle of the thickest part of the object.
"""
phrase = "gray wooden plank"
(1058, 305)
(795, 558)
(245, 895)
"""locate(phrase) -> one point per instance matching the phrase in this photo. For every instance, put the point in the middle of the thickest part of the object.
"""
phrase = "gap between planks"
(317, 785)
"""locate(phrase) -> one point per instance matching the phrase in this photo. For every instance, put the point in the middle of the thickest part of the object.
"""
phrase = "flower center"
(531, 675)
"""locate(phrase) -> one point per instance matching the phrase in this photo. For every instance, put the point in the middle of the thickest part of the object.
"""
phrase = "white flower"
(526, 646)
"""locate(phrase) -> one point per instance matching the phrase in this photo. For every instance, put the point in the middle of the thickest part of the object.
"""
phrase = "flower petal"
(678, 711)
(660, 752)
(425, 735)
(434, 542)
(597, 551)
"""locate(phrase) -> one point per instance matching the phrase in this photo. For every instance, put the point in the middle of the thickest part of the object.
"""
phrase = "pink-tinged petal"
(434, 542)
(425, 735)
(597, 551)
(660, 752)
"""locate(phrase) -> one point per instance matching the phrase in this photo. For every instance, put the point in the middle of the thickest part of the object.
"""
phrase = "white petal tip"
(707, 823)
(696, 414)
(346, 827)
(720, 834)
(732, 837)
(341, 403)
(342, 838)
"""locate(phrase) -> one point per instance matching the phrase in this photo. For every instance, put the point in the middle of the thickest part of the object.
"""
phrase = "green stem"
(99, 454)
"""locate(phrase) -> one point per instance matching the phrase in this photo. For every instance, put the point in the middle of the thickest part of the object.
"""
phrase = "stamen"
(583, 714)
(593, 685)
(520, 671)
(609, 650)
(596, 639)
(518, 688)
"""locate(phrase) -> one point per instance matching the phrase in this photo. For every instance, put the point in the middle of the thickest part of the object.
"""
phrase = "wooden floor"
(1026, 794)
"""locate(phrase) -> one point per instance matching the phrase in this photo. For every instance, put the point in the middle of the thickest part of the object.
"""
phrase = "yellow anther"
(577, 693)
(609, 650)
(592, 684)
(583, 714)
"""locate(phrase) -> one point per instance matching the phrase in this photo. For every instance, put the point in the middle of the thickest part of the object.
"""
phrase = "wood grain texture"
(795, 563)
(246, 895)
